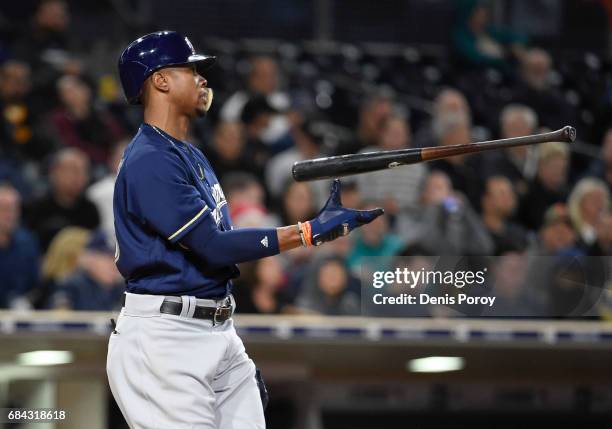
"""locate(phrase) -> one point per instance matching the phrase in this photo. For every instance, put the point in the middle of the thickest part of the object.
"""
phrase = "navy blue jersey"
(164, 188)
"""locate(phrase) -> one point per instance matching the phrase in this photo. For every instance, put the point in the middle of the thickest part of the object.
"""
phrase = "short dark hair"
(238, 181)
(257, 105)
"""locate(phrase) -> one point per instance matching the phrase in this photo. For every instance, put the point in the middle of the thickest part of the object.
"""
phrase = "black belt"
(217, 314)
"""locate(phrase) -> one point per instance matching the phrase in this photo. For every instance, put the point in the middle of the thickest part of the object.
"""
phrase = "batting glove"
(334, 221)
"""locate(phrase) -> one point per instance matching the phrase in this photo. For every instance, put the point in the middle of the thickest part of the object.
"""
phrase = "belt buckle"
(220, 311)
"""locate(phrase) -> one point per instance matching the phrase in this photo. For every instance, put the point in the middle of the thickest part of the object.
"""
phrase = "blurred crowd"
(63, 130)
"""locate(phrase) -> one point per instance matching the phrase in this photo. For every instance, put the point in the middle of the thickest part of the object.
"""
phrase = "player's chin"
(200, 111)
(201, 107)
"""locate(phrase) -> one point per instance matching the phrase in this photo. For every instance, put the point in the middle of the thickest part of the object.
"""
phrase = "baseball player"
(174, 359)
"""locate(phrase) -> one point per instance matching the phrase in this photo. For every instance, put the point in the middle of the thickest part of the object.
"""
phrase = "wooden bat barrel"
(347, 165)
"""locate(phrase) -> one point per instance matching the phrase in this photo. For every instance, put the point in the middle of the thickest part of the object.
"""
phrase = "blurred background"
(298, 79)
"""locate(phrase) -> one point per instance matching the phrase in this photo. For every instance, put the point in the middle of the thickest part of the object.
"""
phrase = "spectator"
(372, 113)
(81, 125)
(449, 104)
(329, 289)
(604, 247)
(588, 202)
(60, 261)
(18, 135)
(101, 192)
(19, 256)
(601, 168)
(575, 289)
(557, 234)
(556, 238)
(536, 91)
(572, 283)
(256, 116)
(580, 274)
(48, 48)
(263, 80)
(462, 175)
(446, 224)
(260, 286)
(480, 44)
(308, 139)
(65, 204)
(298, 203)
(512, 292)
(18, 140)
(548, 187)
(374, 247)
(397, 189)
(595, 272)
(230, 152)
(351, 197)
(246, 200)
(96, 285)
(301, 259)
(518, 164)
(603, 231)
(47, 40)
(499, 202)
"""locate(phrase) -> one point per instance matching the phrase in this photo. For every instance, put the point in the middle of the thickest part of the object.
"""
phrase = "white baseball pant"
(177, 372)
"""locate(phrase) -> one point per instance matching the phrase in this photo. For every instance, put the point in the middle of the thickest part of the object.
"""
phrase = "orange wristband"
(307, 233)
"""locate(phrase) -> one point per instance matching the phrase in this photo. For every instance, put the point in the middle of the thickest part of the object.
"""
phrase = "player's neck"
(174, 125)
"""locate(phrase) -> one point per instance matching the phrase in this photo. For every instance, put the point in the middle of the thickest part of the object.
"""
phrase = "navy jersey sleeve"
(160, 194)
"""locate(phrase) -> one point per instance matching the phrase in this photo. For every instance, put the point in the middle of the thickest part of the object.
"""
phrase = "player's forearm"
(288, 237)
(222, 248)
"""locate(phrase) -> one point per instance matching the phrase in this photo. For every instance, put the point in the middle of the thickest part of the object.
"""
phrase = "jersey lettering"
(218, 194)
(220, 200)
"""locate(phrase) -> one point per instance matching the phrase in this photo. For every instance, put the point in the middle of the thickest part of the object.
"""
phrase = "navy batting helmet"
(152, 52)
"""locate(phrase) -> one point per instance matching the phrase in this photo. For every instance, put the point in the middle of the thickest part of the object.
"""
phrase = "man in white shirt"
(101, 193)
(397, 189)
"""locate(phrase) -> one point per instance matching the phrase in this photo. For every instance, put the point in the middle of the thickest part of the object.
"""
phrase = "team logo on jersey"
(264, 241)
(216, 214)
(218, 194)
(220, 200)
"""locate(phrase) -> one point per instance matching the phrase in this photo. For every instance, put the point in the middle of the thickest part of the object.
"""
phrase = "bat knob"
(569, 133)
(295, 172)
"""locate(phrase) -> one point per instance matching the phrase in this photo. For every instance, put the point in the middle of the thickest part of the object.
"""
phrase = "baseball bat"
(347, 165)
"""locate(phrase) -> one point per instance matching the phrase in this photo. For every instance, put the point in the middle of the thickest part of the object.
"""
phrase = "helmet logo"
(190, 46)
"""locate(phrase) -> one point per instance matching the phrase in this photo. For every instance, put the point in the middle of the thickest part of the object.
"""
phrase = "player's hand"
(335, 221)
